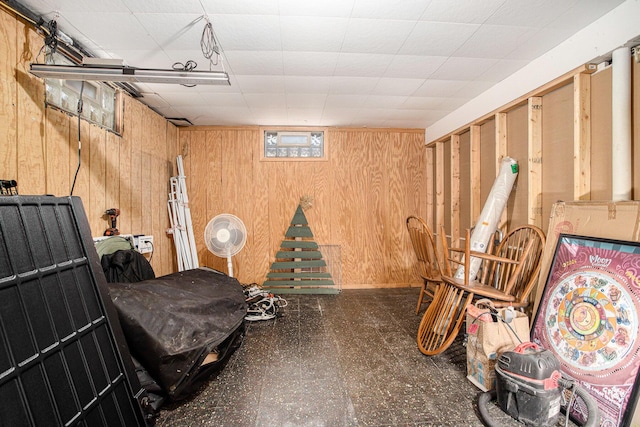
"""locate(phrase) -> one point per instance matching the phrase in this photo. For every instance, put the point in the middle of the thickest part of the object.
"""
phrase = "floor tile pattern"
(337, 360)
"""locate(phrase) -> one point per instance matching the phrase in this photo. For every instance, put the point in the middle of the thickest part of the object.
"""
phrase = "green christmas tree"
(299, 267)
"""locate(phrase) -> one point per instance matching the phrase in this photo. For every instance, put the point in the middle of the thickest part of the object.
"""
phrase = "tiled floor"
(337, 360)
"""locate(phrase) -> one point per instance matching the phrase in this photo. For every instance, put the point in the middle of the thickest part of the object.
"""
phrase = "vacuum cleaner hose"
(592, 406)
(483, 403)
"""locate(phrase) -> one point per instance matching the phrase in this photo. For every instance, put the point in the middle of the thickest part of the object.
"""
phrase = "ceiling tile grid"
(367, 63)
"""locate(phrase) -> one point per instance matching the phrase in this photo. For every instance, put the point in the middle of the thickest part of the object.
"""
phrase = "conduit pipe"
(621, 160)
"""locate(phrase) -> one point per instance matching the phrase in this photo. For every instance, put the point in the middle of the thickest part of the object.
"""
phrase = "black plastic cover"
(172, 323)
(533, 362)
(63, 358)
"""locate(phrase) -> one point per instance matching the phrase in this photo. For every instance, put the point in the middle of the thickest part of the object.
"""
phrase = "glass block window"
(294, 145)
(99, 99)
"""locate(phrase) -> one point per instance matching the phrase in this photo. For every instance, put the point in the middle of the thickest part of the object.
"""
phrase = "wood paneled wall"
(39, 149)
(372, 180)
(561, 137)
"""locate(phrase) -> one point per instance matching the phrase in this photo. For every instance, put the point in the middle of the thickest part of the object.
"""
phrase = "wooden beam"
(455, 187)
(475, 174)
(582, 136)
(501, 151)
(429, 153)
(439, 186)
(535, 161)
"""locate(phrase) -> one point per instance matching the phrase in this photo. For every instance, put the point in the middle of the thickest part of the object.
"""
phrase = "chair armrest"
(490, 257)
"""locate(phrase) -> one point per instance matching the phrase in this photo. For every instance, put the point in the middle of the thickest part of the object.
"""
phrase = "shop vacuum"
(530, 388)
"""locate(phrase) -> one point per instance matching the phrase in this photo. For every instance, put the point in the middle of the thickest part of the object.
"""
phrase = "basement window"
(298, 145)
(99, 100)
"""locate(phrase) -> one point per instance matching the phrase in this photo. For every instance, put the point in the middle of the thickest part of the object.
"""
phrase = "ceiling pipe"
(621, 160)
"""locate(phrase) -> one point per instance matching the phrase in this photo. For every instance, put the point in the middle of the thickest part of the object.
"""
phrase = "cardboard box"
(605, 219)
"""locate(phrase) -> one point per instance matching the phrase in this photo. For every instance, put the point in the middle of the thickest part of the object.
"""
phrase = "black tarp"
(172, 323)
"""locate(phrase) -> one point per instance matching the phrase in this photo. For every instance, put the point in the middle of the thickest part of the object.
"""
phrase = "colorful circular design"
(590, 321)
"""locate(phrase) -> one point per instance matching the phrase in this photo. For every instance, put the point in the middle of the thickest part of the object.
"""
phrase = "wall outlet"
(143, 244)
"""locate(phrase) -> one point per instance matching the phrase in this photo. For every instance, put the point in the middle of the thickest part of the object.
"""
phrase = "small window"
(99, 100)
(308, 144)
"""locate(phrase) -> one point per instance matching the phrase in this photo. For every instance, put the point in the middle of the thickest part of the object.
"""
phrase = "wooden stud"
(582, 136)
(430, 173)
(439, 186)
(474, 174)
(535, 161)
(455, 187)
(501, 151)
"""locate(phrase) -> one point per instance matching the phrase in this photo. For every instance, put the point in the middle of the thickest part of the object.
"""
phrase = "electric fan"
(225, 235)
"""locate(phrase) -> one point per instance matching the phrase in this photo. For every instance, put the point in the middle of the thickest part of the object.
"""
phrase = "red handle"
(521, 348)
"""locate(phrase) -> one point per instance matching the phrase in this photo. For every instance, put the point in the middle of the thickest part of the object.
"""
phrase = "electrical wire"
(190, 65)
(75, 176)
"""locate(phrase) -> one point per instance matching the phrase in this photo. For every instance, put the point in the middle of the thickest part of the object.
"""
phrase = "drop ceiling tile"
(309, 63)
(460, 11)
(362, 64)
(389, 9)
(180, 57)
(173, 31)
(221, 115)
(463, 68)
(471, 89)
(422, 103)
(579, 16)
(182, 99)
(112, 30)
(265, 100)
(388, 101)
(162, 6)
(155, 100)
(389, 86)
(260, 84)
(439, 88)
(251, 62)
(235, 100)
(307, 84)
(143, 58)
(493, 41)
(437, 38)
(330, 8)
(339, 116)
(49, 8)
(241, 7)
(502, 69)
(312, 34)
(375, 36)
(268, 116)
(248, 32)
(306, 100)
(528, 13)
(348, 85)
(344, 101)
(537, 42)
(451, 104)
(304, 116)
(413, 66)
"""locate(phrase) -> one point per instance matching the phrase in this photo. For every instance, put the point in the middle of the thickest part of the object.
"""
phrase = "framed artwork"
(588, 317)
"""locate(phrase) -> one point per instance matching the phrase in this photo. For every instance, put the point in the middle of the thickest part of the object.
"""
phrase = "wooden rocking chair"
(429, 265)
(507, 277)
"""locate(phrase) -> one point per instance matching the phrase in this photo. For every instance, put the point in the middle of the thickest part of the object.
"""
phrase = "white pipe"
(621, 178)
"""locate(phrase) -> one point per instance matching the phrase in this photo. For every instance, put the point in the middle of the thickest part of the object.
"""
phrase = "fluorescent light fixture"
(130, 74)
